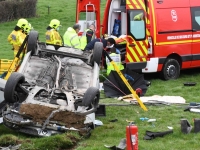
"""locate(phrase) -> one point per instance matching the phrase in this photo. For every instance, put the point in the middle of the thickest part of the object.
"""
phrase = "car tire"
(171, 69)
(10, 93)
(32, 42)
(97, 53)
(91, 97)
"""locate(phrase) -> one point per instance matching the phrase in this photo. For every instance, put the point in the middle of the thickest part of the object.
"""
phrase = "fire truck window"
(137, 24)
(196, 18)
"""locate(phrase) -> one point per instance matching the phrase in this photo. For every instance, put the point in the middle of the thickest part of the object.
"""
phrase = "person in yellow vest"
(52, 35)
(116, 58)
(87, 36)
(16, 37)
(71, 37)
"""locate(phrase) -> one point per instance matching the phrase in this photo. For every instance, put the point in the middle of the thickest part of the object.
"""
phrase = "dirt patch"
(40, 113)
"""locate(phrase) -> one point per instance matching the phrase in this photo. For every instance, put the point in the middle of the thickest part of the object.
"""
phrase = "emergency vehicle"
(159, 35)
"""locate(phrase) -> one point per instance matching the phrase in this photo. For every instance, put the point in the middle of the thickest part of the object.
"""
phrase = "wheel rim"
(95, 102)
(171, 71)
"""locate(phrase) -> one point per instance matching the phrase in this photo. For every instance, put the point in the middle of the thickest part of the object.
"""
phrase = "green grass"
(111, 132)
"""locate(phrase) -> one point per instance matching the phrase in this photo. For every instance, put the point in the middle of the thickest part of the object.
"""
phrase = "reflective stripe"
(117, 59)
(72, 38)
(48, 37)
(73, 45)
(14, 37)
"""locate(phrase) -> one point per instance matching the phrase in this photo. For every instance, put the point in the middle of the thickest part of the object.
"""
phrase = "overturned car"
(54, 90)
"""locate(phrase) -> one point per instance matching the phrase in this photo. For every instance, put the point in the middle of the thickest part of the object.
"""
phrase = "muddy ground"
(40, 113)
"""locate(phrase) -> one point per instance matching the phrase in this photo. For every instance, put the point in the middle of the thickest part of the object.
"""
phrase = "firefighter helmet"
(28, 28)
(54, 23)
(22, 23)
(105, 36)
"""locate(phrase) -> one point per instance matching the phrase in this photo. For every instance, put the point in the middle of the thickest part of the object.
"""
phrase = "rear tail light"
(150, 46)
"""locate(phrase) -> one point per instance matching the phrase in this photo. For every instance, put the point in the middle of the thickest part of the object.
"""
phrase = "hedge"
(15, 9)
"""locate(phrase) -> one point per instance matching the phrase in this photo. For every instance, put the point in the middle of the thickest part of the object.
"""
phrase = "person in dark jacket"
(90, 45)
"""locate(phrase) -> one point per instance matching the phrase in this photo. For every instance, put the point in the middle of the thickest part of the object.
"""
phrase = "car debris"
(54, 91)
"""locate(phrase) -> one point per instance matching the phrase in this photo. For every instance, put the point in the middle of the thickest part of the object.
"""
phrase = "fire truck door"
(137, 45)
(195, 13)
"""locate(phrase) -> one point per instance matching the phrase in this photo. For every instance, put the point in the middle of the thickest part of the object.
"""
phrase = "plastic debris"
(151, 120)
(143, 119)
(98, 123)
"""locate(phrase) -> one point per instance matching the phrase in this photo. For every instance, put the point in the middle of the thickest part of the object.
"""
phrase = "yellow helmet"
(22, 23)
(105, 36)
(54, 23)
(28, 28)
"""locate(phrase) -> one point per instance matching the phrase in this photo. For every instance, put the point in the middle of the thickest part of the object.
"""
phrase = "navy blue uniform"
(90, 45)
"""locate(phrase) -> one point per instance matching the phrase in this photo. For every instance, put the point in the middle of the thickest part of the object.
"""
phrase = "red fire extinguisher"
(132, 137)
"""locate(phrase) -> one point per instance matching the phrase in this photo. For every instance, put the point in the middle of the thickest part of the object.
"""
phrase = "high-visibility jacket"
(16, 38)
(117, 59)
(71, 39)
(138, 17)
(86, 38)
(53, 37)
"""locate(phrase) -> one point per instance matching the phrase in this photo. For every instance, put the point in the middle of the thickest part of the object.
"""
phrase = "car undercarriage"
(54, 90)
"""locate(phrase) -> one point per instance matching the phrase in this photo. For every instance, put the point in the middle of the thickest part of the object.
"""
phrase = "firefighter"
(87, 36)
(16, 37)
(52, 35)
(116, 58)
(71, 37)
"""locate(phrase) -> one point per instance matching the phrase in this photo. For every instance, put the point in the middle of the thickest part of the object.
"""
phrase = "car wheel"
(171, 69)
(97, 53)
(91, 97)
(11, 94)
(32, 42)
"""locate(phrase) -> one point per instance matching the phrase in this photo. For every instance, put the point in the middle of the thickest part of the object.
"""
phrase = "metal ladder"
(90, 16)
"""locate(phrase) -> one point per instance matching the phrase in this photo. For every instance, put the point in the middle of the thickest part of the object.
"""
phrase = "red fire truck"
(158, 35)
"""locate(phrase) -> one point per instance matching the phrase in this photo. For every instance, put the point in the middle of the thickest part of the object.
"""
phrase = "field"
(110, 133)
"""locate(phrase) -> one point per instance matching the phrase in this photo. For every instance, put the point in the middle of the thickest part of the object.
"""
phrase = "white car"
(54, 90)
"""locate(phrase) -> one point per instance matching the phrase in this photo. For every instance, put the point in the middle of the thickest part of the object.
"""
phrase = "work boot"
(196, 125)
(185, 126)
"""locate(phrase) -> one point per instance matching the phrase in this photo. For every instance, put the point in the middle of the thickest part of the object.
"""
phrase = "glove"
(128, 77)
